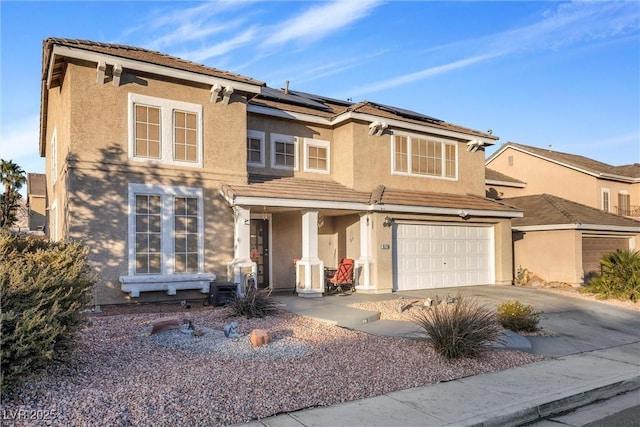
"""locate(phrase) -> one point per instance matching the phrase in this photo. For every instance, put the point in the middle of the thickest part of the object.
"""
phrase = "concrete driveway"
(580, 325)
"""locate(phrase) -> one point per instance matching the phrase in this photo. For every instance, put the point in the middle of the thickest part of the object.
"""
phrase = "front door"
(260, 250)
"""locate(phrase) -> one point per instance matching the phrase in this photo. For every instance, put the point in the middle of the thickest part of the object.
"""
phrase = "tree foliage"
(43, 286)
(13, 178)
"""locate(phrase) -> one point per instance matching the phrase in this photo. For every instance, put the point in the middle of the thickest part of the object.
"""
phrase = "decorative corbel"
(227, 95)
(117, 72)
(377, 128)
(216, 89)
(100, 69)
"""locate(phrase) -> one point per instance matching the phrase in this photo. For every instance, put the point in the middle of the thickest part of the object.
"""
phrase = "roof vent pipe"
(286, 87)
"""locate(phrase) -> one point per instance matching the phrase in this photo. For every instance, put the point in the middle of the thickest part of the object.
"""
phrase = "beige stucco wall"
(92, 122)
(363, 162)
(542, 176)
(552, 255)
(37, 212)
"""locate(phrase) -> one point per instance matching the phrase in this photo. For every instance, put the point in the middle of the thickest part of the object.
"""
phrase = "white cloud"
(420, 75)
(319, 21)
(566, 25)
(219, 49)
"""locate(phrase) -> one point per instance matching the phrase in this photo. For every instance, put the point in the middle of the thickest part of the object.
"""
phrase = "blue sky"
(565, 74)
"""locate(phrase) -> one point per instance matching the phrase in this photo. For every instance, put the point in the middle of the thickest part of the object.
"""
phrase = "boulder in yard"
(165, 324)
(260, 337)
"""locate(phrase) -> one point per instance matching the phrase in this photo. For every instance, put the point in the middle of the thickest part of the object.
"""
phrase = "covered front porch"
(398, 239)
(292, 248)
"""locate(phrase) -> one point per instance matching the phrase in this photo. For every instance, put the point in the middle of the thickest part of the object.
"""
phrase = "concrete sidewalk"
(594, 359)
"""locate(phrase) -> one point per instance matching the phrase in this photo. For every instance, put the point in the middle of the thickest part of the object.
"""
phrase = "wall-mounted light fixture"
(388, 221)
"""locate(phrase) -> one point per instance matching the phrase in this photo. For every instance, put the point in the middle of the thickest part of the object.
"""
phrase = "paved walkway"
(596, 355)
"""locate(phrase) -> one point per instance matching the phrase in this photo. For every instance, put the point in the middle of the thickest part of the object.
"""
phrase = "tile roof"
(545, 209)
(581, 162)
(295, 101)
(295, 188)
(36, 184)
(493, 175)
(306, 189)
(144, 55)
(329, 109)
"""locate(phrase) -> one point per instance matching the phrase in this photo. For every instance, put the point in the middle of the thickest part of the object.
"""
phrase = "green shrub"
(460, 329)
(619, 277)
(255, 303)
(518, 317)
(43, 285)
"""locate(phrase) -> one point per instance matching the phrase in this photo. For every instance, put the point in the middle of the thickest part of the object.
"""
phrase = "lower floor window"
(165, 230)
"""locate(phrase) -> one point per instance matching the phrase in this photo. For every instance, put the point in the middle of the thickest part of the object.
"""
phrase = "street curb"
(557, 406)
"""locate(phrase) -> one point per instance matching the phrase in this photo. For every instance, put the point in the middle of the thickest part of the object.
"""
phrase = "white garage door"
(437, 256)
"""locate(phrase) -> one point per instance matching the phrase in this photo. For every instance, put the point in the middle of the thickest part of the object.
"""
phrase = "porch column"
(365, 260)
(310, 268)
(241, 269)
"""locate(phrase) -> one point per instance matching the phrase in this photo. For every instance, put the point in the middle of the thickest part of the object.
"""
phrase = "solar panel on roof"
(291, 98)
(407, 113)
(321, 98)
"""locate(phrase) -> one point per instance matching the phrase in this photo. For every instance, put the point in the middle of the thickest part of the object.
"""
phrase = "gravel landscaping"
(121, 375)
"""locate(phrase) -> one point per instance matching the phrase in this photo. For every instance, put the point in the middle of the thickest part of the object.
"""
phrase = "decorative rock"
(231, 330)
(166, 324)
(260, 337)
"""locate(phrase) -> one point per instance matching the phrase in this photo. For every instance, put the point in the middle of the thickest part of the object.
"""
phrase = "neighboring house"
(560, 240)
(614, 189)
(175, 173)
(569, 220)
(37, 201)
(21, 224)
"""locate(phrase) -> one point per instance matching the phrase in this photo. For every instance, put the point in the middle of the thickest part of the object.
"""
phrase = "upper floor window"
(413, 155)
(624, 203)
(165, 130)
(284, 151)
(316, 155)
(255, 148)
(605, 200)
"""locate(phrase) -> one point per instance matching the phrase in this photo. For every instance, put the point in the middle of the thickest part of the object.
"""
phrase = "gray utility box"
(221, 293)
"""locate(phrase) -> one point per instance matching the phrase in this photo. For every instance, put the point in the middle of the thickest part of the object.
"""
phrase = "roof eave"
(505, 183)
(577, 226)
(137, 65)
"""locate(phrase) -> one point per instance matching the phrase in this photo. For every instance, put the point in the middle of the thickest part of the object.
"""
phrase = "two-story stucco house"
(175, 173)
(576, 209)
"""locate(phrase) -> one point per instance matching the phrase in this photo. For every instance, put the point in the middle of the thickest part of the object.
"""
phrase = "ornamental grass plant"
(255, 303)
(460, 329)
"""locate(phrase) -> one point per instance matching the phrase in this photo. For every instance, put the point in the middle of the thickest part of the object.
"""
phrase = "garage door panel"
(435, 256)
(593, 248)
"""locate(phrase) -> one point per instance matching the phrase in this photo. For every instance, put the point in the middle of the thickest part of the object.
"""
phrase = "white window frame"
(278, 137)
(53, 233)
(606, 207)
(167, 107)
(167, 194)
(409, 160)
(256, 134)
(54, 156)
(310, 142)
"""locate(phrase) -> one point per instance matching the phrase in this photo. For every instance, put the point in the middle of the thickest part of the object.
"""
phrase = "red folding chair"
(342, 280)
